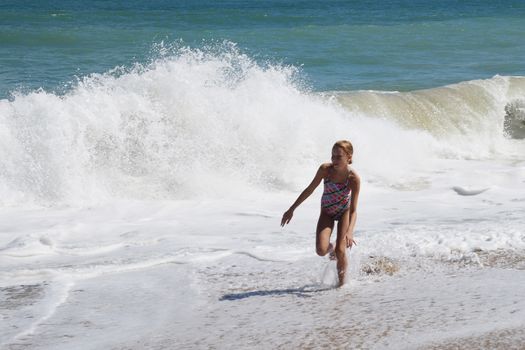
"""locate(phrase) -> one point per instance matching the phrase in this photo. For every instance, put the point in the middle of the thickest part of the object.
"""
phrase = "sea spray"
(201, 123)
(191, 124)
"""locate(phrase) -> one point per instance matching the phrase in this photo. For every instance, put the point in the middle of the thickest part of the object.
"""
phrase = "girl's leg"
(340, 246)
(325, 225)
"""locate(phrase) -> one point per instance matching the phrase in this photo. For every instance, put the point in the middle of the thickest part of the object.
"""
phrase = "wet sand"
(506, 339)
(241, 302)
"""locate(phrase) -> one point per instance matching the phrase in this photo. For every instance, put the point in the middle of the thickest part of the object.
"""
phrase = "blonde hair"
(346, 146)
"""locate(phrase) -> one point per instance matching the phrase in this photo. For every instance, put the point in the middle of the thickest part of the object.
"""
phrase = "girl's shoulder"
(353, 177)
(326, 167)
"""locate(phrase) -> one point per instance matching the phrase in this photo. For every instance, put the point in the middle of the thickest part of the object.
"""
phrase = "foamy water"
(145, 204)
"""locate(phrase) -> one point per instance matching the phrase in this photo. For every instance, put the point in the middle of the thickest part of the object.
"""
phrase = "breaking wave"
(214, 122)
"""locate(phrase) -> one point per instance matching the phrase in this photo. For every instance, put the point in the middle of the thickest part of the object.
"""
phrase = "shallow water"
(150, 275)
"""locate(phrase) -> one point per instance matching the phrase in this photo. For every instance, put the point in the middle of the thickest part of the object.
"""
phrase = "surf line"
(251, 255)
(62, 297)
(225, 252)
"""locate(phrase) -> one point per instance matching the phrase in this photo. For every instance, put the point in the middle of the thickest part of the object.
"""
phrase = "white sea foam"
(194, 118)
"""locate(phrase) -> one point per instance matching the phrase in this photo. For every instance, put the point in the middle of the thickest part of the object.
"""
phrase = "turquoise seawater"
(338, 45)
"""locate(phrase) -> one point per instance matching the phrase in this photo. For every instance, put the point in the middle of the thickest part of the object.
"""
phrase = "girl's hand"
(350, 241)
(287, 216)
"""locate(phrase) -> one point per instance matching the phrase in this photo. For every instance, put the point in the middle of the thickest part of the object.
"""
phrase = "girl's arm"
(355, 185)
(321, 173)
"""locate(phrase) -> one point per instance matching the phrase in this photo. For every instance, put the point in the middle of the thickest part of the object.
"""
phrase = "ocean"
(149, 149)
(377, 45)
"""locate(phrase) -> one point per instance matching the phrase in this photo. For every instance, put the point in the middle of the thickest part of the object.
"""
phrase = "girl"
(338, 203)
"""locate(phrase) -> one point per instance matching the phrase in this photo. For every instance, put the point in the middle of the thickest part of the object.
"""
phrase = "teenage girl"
(338, 203)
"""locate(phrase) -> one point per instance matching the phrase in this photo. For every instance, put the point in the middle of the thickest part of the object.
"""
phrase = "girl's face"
(340, 158)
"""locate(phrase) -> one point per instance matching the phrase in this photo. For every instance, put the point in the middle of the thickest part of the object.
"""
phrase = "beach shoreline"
(142, 275)
(228, 305)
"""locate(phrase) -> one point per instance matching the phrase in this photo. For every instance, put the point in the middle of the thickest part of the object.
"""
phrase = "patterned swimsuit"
(336, 198)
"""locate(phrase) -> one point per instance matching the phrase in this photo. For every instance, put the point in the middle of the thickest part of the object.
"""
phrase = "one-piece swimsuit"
(336, 198)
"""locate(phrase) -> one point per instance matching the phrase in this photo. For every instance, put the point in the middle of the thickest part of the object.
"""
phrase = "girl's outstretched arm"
(321, 173)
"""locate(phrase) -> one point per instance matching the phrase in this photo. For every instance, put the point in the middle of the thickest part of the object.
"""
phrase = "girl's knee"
(321, 252)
